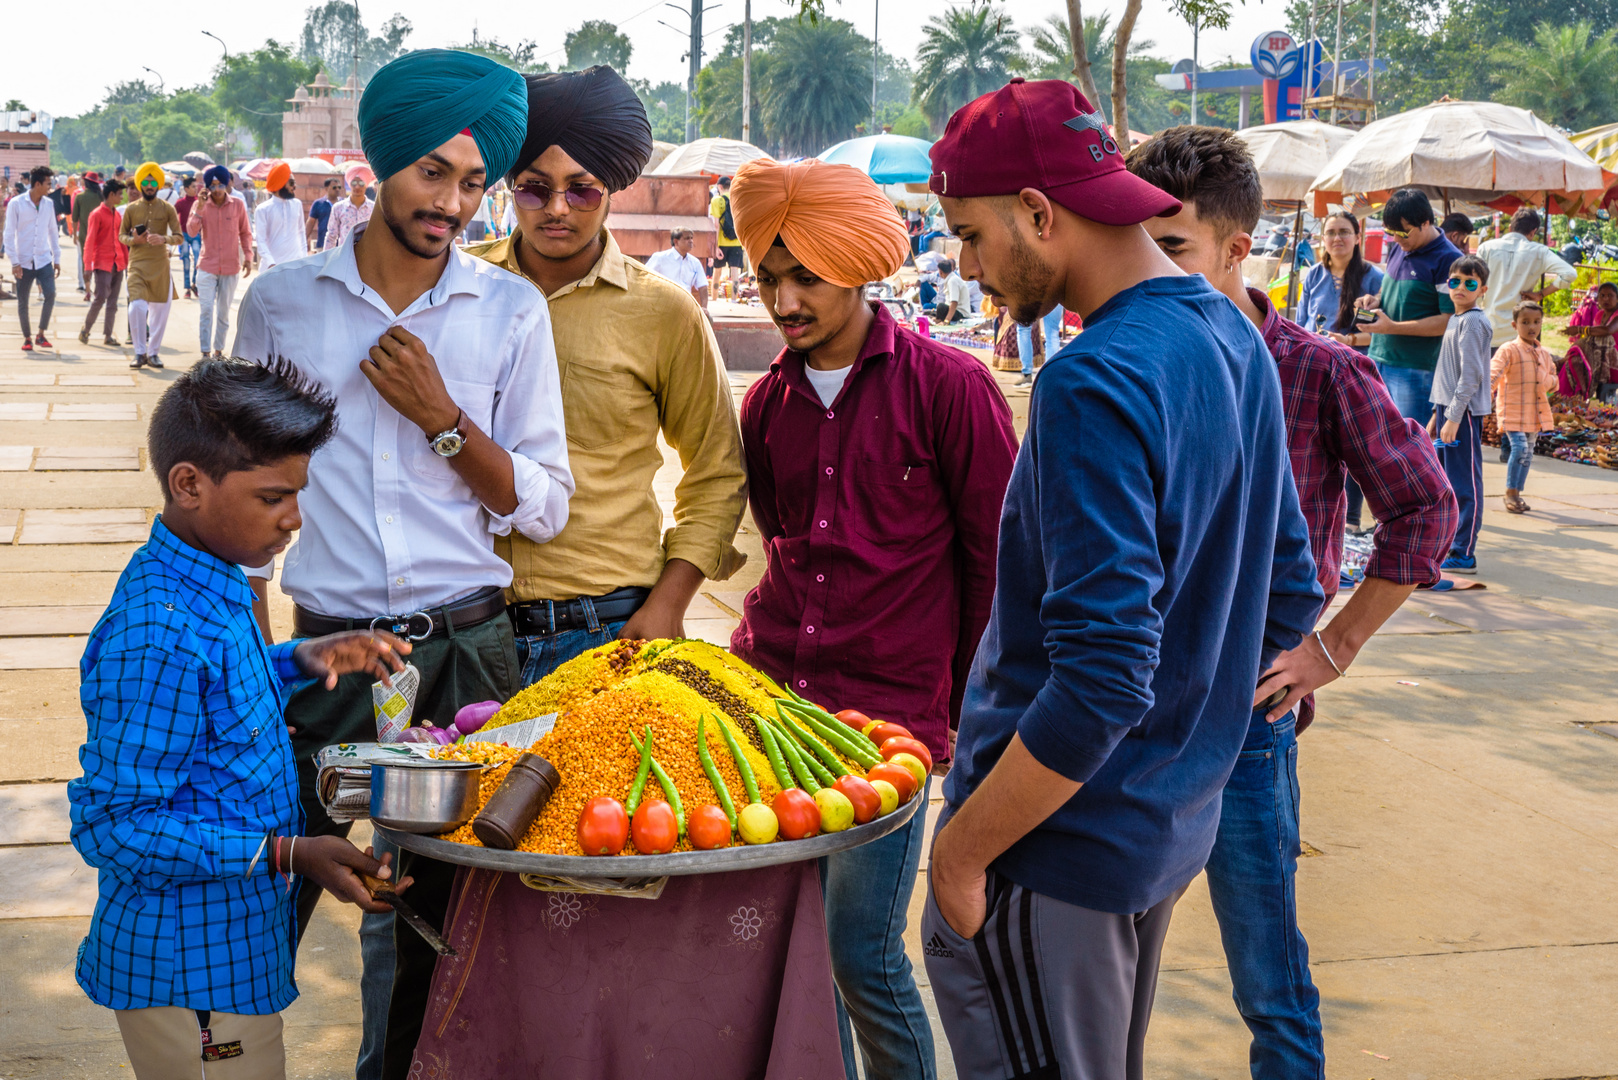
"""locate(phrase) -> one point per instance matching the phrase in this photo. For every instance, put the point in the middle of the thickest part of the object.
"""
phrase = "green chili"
(671, 792)
(816, 748)
(639, 785)
(712, 771)
(794, 757)
(842, 737)
(783, 775)
(742, 765)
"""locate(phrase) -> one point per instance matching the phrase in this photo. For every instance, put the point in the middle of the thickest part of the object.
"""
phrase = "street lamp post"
(160, 82)
(221, 41)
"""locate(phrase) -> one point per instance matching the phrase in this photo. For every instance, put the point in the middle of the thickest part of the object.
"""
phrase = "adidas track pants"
(1046, 990)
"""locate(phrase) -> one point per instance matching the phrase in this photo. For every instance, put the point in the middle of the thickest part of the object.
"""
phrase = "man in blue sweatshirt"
(1153, 559)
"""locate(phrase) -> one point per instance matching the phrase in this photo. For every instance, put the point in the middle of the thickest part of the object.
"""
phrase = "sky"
(66, 84)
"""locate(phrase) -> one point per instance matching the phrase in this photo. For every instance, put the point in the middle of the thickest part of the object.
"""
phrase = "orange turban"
(280, 173)
(832, 218)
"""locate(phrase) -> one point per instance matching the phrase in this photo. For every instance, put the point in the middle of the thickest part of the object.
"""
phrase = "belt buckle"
(400, 627)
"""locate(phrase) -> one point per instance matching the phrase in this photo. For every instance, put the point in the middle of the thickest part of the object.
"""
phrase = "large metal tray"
(674, 864)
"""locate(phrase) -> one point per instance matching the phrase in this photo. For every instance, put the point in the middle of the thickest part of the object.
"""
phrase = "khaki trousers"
(165, 1043)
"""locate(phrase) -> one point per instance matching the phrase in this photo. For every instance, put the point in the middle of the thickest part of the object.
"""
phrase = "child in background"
(1521, 375)
(188, 805)
(1460, 397)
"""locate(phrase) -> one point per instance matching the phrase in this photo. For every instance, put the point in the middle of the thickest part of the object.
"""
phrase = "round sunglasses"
(1472, 284)
(537, 196)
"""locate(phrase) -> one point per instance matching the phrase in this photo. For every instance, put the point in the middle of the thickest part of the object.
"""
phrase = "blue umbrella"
(887, 159)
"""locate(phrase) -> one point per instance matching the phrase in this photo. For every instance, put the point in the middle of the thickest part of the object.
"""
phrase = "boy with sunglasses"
(1460, 397)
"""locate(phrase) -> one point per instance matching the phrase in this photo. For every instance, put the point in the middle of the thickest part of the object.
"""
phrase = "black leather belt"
(541, 618)
(462, 614)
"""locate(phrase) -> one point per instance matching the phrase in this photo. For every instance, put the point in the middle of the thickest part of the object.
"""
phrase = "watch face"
(448, 444)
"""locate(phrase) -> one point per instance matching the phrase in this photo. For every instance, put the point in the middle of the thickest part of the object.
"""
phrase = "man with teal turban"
(450, 434)
(425, 98)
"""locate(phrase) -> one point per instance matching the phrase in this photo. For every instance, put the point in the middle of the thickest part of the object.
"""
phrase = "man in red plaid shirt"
(1340, 421)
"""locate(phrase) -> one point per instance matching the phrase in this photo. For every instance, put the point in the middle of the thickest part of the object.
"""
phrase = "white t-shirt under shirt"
(681, 269)
(959, 292)
(827, 383)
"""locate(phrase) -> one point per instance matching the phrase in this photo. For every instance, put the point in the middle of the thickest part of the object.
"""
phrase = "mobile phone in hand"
(1365, 316)
(140, 230)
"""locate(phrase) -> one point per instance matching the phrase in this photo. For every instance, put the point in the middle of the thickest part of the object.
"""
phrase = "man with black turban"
(449, 436)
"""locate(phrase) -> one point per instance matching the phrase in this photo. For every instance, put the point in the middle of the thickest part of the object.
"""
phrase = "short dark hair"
(40, 173)
(112, 187)
(188, 181)
(1457, 222)
(1208, 166)
(1525, 221)
(1607, 285)
(724, 181)
(1528, 305)
(1408, 208)
(1473, 265)
(946, 266)
(232, 415)
(676, 235)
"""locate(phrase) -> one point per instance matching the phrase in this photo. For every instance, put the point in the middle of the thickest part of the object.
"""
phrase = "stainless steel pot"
(428, 798)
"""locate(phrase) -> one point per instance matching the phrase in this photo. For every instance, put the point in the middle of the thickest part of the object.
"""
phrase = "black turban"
(595, 117)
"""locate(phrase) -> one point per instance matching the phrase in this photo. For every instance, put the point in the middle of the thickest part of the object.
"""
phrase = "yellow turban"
(150, 170)
(832, 218)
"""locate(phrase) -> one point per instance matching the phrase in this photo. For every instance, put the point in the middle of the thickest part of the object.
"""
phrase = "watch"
(450, 442)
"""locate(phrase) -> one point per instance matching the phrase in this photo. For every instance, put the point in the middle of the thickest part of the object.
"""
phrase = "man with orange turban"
(877, 461)
(279, 226)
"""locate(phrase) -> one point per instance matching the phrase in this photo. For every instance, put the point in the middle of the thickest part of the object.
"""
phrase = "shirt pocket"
(894, 501)
(602, 407)
(476, 402)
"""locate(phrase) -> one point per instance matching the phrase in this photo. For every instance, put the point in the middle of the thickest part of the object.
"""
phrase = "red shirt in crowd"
(102, 248)
(880, 516)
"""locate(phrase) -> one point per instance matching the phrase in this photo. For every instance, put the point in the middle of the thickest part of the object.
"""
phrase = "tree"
(965, 52)
(253, 88)
(665, 108)
(15, 106)
(1048, 57)
(719, 98)
(518, 57)
(1564, 74)
(597, 42)
(131, 92)
(126, 140)
(816, 89)
(334, 35)
(1214, 14)
(1078, 51)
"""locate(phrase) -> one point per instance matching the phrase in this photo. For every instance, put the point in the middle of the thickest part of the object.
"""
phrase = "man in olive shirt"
(637, 357)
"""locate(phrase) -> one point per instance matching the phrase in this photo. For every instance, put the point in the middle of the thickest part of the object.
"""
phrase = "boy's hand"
(1452, 428)
(374, 651)
(331, 862)
(1432, 425)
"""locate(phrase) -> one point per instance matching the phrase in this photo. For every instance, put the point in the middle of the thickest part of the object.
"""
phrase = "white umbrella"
(1476, 151)
(317, 166)
(1290, 155)
(660, 150)
(711, 157)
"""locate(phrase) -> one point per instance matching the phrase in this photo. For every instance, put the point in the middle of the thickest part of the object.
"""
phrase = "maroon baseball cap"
(1043, 135)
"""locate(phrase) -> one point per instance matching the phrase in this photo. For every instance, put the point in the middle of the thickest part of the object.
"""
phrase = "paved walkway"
(1460, 788)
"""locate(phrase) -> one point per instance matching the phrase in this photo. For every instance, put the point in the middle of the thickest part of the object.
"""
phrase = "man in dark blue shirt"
(320, 211)
(1153, 559)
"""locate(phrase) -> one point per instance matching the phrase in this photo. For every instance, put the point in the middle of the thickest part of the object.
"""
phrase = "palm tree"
(1050, 56)
(965, 52)
(1564, 75)
(817, 85)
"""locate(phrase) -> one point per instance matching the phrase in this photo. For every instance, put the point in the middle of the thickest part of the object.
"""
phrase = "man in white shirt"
(954, 294)
(680, 266)
(450, 433)
(36, 254)
(278, 223)
(1516, 264)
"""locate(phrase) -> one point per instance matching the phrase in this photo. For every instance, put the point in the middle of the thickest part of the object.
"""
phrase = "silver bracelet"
(257, 855)
(1322, 643)
(294, 845)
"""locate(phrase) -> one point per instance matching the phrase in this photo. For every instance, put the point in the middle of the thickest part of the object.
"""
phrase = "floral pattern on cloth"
(723, 975)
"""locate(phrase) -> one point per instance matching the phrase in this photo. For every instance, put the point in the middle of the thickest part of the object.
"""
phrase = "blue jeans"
(1522, 458)
(1053, 339)
(190, 255)
(1463, 464)
(376, 979)
(1250, 880)
(541, 655)
(1409, 388)
(867, 892)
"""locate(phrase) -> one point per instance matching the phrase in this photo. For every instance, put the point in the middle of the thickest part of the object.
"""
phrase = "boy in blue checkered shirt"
(188, 805)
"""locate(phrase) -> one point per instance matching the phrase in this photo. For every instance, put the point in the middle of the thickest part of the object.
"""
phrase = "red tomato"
(708, 828)
(864, 797)
(901, 745)
(655, 828)
(603, 826)
(902, 779)
(798, 814)
(882, 731)
(854, 719)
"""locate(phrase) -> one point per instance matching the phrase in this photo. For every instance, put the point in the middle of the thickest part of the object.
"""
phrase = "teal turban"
(425, 98)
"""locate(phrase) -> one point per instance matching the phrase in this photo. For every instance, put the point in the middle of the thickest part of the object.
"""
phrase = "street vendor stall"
(637, 836)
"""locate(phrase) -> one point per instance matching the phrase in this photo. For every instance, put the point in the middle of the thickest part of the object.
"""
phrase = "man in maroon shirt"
(877, 462)
(1340, 421)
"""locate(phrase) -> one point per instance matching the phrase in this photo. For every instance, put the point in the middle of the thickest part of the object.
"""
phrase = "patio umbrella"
(179, 168)
(198, 159)
(1290, 155)
(885, 158)
(711, 157)
(313, 166)
(1477, 151)
(660, 150)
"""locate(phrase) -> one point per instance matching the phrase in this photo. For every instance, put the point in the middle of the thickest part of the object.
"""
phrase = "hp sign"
(1275, 55)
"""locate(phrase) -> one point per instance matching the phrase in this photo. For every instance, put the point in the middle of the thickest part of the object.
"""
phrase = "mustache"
(449, 221)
